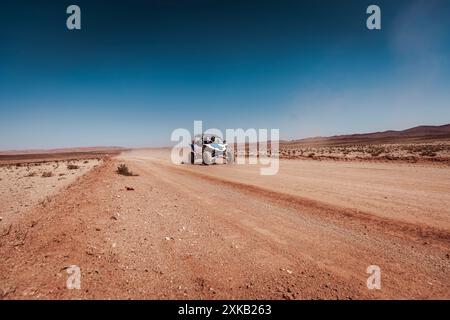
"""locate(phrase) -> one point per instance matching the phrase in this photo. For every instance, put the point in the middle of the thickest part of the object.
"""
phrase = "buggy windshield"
(208, 139)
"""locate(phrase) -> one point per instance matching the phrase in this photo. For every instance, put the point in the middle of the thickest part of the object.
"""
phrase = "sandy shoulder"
(24, 186)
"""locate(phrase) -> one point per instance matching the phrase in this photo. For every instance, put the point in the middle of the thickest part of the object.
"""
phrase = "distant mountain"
(63, 150)
(416, 134)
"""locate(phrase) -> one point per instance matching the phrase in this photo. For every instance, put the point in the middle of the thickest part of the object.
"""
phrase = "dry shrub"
(376, 153)
(72, 166)
(123, 170)
(31, 174)
(47, 174)
(428, 153)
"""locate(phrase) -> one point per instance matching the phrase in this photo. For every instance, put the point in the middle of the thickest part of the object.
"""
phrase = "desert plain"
(181, 231)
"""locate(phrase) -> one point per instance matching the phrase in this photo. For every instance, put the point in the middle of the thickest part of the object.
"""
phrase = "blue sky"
(137, 70)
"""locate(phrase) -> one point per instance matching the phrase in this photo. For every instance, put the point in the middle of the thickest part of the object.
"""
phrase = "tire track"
(354, 217)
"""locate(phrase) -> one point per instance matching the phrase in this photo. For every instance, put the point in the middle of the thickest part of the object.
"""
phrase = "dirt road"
(192, 232)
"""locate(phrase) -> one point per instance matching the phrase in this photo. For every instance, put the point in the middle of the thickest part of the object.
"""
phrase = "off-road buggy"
(210, 149)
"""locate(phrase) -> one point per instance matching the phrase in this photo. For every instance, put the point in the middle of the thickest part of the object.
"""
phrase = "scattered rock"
(169, 238)
(288, 296)
(5, 292)
(115, 216)
(129, 188)
(287, 270)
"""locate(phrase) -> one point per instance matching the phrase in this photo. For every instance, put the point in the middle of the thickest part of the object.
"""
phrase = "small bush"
(428, 153)
(376, 153)
(47, 174)
(123, 170)
(72, 167)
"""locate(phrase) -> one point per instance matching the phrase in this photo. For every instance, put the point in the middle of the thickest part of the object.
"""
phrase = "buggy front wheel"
(208, 157)
(229, 156)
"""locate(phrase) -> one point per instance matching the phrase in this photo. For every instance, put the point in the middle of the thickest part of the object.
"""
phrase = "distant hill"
(12, 156)
(412, 135)
(63, 150)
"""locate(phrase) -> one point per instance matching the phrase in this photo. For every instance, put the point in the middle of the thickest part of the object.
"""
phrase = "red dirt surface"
(224, 232)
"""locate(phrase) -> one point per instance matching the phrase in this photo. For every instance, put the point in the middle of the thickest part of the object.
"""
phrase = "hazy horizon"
(138, 70)
(170, 144)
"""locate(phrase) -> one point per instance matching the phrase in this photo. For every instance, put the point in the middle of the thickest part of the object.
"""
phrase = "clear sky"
(139, 69)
